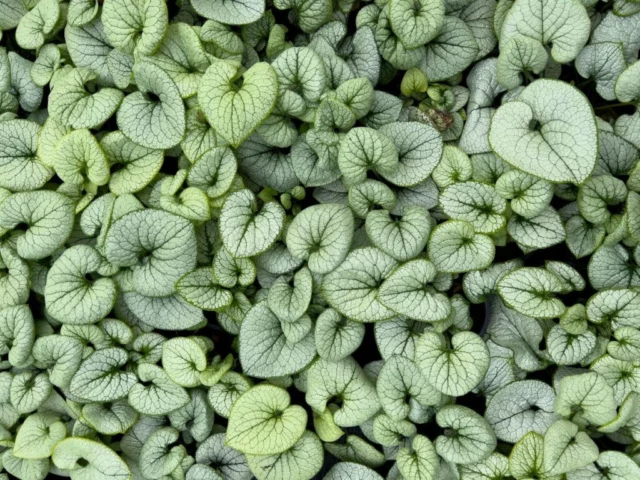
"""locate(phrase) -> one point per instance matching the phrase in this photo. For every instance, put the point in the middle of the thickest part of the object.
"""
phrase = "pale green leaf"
(89, 460)
(158, 247)
(263, 422)
(470, 438)
(566, 448)
(234, 112)
(38, 436)
(407, 291)
(530, 291)
(99, 378)
(352, 288)
(549, 132)
(346, 381)
(264, 349)
(321, 234)
(73, 298)
(454, 247)
(136, 26)
(20, 167)
(455, 369)
(519, 408)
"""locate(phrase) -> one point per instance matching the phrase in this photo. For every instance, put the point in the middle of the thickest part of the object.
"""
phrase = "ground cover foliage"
(320, 239)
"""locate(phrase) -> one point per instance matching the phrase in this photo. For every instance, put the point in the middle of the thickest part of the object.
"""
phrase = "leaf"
(530, 291)
(99, 378)
(567, 348)
(158, 247)
(264, 349)
(564, 25)
(136, 165)
(135, 26)
(70, 297)
(157, 457)
(456, 369)
(82, 12)
(20, 167)
(609, 267)
(362, 149)
(75, 107)
(347, 382)
(399, 384)
(520, 54)
(476, 203)
(519, 408)
(526, 457)
(541, 231)
(243, 108)
(234, 12)
(455, 43)
(352, 288)
(303, 460)
(110, 419)
(154, 116)
(156, 393)
(407, 291)
(200, 289)
(301, 70)
(183, 359)
(603, 62)
(351, 471)
(38, 24)
(419, 462)
(454, 247)
(49, 218)
(17, 332)
(214, 171)
(89, 459)
(627, 87)
(403, 238)
(596, 194)
(38, 436)
(335, 336)
(471, 438)
(321, 234)
(528, 196)
(416, 24)
(183, 57)
(288, 302)
(262, 421)
(566, 449)
(587, 395)
(166, 313)
(617, 466)
(555, 121)
(247, 231)
(419, 148)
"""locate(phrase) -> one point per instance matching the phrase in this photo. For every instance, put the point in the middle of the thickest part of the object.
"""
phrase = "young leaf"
(235, 112)
(263, 422)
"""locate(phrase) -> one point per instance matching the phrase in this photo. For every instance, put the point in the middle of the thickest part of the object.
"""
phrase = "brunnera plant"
(320, 239)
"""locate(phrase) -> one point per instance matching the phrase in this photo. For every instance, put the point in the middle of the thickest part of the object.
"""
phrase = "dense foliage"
(329, 239)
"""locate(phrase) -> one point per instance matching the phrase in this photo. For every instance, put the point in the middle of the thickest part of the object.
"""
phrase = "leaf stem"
(614, 105)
